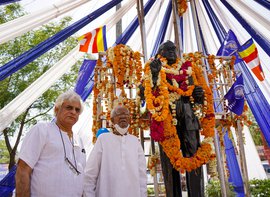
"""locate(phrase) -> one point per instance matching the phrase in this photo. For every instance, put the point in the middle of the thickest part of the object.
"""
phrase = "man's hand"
(198, 94)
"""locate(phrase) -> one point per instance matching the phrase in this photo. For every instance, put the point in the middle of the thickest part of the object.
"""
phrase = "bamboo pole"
(177, 32)
(140, 11)
(224, 185)
(243, 159)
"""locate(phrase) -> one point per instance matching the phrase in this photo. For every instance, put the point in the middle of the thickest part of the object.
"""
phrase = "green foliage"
(213, 189)
(260, 188)
(20, 80)
(4, 155)
(254, 129)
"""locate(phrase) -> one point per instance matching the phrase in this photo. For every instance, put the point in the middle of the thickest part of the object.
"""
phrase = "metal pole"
(243, 159)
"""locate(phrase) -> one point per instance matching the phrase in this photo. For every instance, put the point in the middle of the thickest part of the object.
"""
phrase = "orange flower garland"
(159, 108)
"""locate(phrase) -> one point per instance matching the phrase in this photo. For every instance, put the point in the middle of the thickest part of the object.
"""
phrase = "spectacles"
(68, 162)
(71, 166)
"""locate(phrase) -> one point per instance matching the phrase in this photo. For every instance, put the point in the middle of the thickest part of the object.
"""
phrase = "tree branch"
(41, 114)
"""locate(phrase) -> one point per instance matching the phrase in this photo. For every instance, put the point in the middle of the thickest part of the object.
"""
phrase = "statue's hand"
(198, 94)
(155, 67)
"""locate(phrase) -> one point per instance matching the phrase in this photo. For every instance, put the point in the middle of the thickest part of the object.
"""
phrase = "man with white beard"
(116, 166)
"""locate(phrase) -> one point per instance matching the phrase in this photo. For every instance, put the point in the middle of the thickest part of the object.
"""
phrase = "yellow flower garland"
(159, 108)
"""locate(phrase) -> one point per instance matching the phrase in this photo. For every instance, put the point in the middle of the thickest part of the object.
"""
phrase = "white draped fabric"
(18, 105)
(19, 26)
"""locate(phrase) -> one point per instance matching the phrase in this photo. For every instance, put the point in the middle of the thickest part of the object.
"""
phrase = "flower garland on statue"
(163, 121)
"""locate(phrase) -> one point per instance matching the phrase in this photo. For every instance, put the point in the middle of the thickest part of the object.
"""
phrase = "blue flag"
(230, 47)
(85, 81)
(235, 96)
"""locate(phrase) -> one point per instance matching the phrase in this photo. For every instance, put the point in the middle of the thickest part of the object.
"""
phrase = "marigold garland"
(122, 70)
(158, 104)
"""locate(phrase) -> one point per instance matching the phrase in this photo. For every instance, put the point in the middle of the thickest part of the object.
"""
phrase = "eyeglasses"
(71, 166)
(68, 162)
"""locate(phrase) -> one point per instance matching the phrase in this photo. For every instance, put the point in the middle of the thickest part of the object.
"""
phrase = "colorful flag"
(249, 54)
(235, 96)
(85, 81)
(94, 41)
(230, 47)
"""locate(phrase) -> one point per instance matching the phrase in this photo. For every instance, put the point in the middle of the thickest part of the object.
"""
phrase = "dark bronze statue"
(188, 127)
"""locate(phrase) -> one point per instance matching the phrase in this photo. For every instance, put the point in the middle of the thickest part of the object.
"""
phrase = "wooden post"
(140, 10)
(220, 167)
(243, 159)
(177, 32)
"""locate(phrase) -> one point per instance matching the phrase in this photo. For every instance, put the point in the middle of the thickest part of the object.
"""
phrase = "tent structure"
(203, 27)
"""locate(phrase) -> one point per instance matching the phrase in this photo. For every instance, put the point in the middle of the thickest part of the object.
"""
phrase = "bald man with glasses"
(116, 166)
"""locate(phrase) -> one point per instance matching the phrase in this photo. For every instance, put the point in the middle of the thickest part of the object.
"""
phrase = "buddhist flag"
(249, 53)
(230, 47)
(94, 41)
(235, 96)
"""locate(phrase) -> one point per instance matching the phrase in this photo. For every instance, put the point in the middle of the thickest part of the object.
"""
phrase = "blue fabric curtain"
(262, 41)
(233, 167)
(7, 184)
(264, 3)
(2, 2)
(125, 36)
(162, 30)
(254, 96)
(85, 81)
(27, 57)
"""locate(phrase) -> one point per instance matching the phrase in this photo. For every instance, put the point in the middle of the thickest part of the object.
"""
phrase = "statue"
(172, 97)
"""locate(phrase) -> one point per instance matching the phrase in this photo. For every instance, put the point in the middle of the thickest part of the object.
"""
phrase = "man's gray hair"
(116, 108)
(69, 95)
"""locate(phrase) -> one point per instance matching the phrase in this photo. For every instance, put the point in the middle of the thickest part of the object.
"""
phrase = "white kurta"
(116, 167)
(42, 150)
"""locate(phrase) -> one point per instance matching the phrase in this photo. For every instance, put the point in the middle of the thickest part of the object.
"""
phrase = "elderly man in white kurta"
(116, 166)
(52, 159)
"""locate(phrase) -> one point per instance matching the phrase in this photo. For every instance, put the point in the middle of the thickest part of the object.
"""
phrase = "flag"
(230, 47)
(235, 96)
(249, 54)
(94, 41)
(85, 81)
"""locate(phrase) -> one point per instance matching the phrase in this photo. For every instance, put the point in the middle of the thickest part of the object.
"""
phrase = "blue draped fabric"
(233, 167)
(7, 184)
(125, 36)
(85, 81)
(264, 3)
(256, 101)
(2, 2)
(255, 98)
(163, 28)
(30, 55)
(262, 41)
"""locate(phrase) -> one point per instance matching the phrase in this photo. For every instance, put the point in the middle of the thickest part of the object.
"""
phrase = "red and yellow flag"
(249, 53)
(94, 41)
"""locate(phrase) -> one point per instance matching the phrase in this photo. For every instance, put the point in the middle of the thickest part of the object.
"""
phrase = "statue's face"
(169, 52)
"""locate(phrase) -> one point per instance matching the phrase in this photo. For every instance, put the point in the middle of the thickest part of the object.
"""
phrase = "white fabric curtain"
(19, 26)
(211, 40)
(18, 105)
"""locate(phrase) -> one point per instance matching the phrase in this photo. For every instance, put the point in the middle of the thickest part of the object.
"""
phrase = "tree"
(17, 82)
